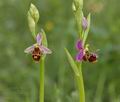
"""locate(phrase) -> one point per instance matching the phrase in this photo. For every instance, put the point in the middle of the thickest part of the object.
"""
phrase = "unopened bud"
(34, 13)
(84, 23)
(31, 24)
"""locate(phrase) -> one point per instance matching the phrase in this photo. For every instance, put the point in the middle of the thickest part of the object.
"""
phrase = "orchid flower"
(37, 49)
(84, 54)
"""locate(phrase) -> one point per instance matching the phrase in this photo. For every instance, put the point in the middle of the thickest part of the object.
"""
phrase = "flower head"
(84, 54)
(37, 49)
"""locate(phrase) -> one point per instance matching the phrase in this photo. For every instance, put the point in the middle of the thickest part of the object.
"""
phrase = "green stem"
(41, 97)
(80, 85)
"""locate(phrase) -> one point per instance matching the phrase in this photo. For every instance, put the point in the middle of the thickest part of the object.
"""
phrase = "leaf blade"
(72, 63)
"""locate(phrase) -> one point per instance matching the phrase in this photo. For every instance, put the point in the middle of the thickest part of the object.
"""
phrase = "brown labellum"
(36, 54)
(92, 58)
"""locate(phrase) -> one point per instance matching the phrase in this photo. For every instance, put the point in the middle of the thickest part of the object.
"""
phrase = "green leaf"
(87, 30)
(72, 63)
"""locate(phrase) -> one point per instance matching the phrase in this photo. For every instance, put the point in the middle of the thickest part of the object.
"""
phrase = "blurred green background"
(19, 75)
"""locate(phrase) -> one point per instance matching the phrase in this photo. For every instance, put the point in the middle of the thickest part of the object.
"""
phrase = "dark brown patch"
(92, 58)
(86, 56)
(36, 54)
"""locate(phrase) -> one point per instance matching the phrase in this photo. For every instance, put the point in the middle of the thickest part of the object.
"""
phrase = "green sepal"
(85, 35)
(44, 41)
(72, 63)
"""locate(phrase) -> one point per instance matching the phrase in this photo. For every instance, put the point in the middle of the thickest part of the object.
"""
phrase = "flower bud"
(78, 4)
(31, 24)
(84, 23)
(34, 13)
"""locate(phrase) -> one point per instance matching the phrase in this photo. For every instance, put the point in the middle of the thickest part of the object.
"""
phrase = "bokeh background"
(19, 74)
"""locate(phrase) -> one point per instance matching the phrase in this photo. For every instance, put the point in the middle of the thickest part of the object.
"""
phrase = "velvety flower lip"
(38, 43)
(84, 23)
(93, 57)
(80, 48)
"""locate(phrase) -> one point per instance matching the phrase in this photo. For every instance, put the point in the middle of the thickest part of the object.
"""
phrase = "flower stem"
(41, 96)
(80, 85)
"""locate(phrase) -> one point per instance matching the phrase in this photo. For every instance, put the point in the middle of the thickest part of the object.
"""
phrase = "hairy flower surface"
(37, 49)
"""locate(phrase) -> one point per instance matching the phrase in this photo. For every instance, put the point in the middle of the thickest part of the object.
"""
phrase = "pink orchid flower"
(37, 49)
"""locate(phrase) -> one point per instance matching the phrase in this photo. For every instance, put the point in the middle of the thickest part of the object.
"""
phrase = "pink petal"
(79, 45)
(39, 39)
(29, 49)
(79, 56)
(45, 50)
